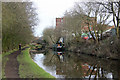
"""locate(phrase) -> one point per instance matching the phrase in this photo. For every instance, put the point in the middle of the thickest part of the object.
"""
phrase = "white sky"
(48, 10)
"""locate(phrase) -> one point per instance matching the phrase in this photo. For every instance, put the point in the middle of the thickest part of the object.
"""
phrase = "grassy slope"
(28, 68)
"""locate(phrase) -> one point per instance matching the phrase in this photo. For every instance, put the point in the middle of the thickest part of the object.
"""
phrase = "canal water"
(70, 66)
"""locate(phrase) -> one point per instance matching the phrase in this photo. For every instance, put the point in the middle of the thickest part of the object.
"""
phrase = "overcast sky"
(48, 10)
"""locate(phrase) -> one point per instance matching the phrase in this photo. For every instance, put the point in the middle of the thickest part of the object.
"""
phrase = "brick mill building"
(59, 21)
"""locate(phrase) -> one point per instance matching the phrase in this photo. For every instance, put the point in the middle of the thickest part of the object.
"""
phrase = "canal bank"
(29, 69)
(107, 49)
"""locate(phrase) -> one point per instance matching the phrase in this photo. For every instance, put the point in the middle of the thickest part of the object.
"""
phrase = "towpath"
(12, 65)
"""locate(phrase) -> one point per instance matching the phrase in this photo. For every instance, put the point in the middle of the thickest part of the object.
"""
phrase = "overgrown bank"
(28, 68)
(108, 48)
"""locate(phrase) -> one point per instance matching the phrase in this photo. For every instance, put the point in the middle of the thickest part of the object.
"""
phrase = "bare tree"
(92, 9)
(48, 35)
(113, 7)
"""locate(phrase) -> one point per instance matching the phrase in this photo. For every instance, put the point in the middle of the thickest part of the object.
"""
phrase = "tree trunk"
(91, 33)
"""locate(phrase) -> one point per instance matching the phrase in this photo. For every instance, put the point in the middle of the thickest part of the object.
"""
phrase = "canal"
(71, 66)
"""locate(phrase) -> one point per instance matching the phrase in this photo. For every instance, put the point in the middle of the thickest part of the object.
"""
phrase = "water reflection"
(67, 65)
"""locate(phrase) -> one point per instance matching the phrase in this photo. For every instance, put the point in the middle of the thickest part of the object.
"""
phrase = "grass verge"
(28, 68)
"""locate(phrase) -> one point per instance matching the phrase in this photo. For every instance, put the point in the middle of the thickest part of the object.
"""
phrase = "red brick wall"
(59, 21)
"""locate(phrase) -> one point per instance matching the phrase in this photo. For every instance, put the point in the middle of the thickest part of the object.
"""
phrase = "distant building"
(59, 21)
(86, 29)
(84, 24)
